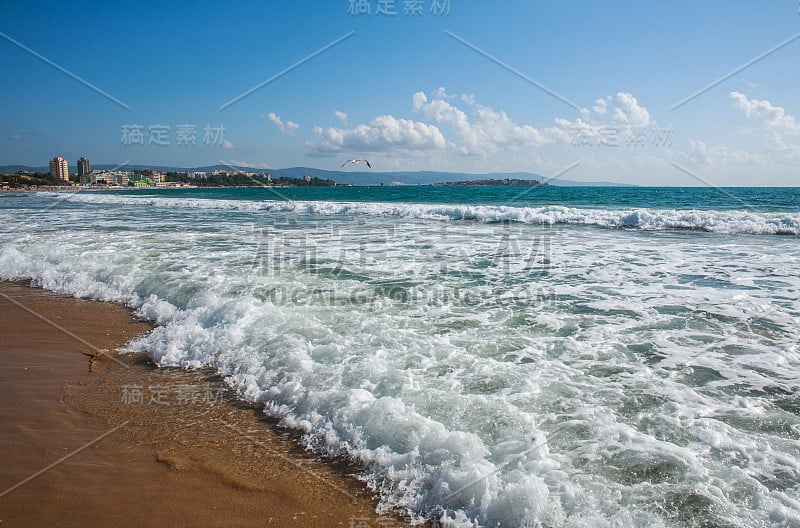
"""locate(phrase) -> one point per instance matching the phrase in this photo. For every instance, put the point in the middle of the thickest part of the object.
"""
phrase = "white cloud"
(772, 117)
(700, 153)
(613, 119)
(486, 132)
(285, 128)
(622, 110)
(227, 145)
(626, 109)
(459, 125)
(777, 124)
(600, 107)
(441, 93)
(382, 134)
(240, 163)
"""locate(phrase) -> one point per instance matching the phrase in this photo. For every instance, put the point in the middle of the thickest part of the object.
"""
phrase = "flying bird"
(357, 161)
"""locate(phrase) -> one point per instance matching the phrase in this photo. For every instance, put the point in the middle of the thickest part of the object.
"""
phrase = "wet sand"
(127, 444)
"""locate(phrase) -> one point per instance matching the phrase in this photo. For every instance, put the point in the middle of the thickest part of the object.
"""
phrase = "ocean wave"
(743, 222)
(654, 387)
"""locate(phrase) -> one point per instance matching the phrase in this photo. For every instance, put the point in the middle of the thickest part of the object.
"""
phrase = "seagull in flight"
(357, 161)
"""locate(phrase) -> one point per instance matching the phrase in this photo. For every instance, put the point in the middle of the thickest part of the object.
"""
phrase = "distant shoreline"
(374, 176)
(493, 183)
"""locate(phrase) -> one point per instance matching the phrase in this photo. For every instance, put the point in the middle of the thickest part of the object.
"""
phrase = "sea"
(487, 356)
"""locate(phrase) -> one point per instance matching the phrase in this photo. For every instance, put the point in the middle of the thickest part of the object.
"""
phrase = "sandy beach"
(122, 443)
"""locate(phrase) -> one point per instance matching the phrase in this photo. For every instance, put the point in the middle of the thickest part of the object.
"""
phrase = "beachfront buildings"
(84, 167)
(104, 177)
(59, 168)
(154, 176)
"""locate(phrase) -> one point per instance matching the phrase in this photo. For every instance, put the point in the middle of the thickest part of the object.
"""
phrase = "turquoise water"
(760, 199)
(495, 356)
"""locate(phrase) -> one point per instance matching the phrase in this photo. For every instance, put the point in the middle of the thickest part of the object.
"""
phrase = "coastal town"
(59, 177)
(127, 177)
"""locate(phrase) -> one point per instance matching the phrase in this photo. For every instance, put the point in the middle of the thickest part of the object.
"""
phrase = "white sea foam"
(715, 221)
(500, 374)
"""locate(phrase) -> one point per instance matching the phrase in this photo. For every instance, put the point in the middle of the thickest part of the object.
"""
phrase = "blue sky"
(463, 86)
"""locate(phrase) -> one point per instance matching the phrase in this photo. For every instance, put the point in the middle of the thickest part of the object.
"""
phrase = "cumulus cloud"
(384, 133)
(286, 128)
(699, 153)
(778, 127)
(611, 120)
(482, 130)
(771, 117)
(600, 107)
(460, 124)
(227, 145)
(626, 109)
(777, 124)
(622, 109)
(486, 131)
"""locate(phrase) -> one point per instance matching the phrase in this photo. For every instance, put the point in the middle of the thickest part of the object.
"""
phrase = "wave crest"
(713, 221)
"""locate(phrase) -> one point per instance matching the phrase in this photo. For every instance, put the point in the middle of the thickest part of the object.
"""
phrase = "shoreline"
(132, 444)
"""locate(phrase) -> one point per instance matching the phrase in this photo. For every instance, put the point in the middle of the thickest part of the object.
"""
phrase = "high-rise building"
(59, 168)
(84, 167)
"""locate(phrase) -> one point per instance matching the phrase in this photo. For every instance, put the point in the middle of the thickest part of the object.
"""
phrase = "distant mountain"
(345, 177)
(420, 177)
(11, 169)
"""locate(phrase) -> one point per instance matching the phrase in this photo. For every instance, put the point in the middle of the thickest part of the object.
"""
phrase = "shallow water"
(567, 358)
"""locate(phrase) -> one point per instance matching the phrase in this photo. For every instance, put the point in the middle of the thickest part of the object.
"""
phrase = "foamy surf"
(740, 221)
(483, 372)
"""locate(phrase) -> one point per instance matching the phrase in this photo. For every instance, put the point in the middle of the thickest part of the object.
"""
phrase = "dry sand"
(128, 444)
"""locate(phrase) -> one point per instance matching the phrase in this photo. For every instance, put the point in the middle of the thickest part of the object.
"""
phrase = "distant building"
(307, 178)
(59, 168)
(84, 167)
(105, 177)
(154, 175)
(138, 179)
(118, 178)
